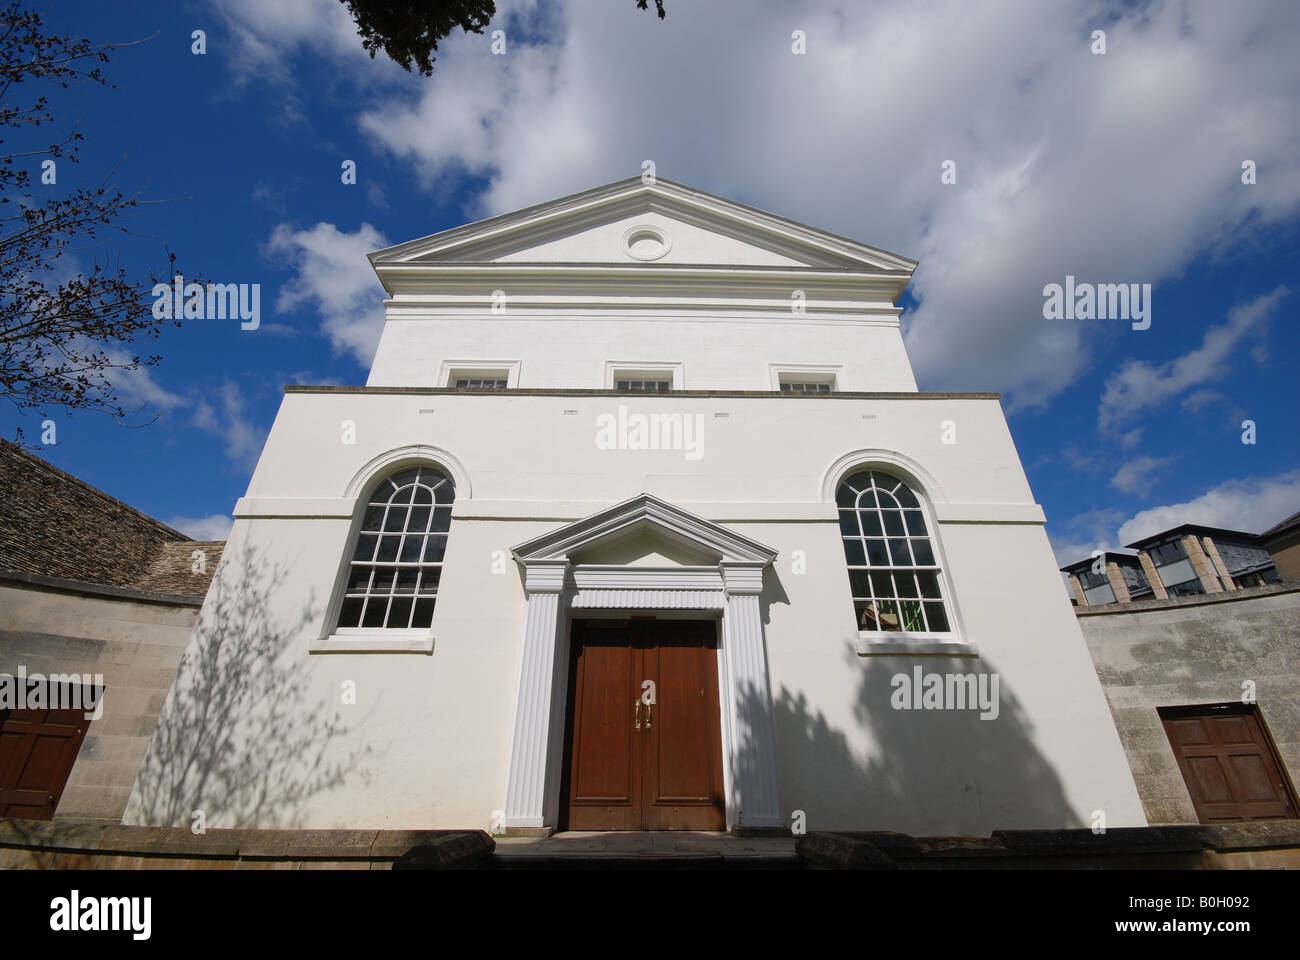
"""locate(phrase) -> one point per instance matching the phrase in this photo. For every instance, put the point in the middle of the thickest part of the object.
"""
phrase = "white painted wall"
(426, 742)
(725, 298)
(569, 349)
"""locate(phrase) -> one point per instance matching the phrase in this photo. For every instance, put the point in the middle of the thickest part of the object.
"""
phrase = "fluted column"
(753, 754)
(531, 729)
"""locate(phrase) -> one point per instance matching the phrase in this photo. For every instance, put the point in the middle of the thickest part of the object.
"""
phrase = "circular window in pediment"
(646, 243)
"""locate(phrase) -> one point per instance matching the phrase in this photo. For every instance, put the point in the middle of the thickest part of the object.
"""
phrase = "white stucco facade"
(278, 718)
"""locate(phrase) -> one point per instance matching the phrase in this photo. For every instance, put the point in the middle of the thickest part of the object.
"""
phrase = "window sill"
(877, 645)
(375, 641)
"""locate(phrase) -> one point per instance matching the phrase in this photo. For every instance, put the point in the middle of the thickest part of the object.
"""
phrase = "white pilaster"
(532, 727)
(753, 755)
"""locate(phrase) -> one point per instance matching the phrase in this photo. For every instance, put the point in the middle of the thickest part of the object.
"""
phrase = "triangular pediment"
(631, 223)
(642, 527)
(644, 548)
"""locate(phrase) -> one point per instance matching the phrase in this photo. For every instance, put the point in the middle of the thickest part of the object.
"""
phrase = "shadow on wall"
(238, 738)
(930, 772)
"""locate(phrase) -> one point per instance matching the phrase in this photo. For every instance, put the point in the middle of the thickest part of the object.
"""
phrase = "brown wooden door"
(1229, 763)
(37, 751)
(644, 741)
(603, 758)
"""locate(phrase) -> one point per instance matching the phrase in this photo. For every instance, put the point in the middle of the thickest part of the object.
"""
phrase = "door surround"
(560, 590)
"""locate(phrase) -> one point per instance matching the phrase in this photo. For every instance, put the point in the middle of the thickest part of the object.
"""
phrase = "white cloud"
(1198, 401)
(1131, 439)
(1115, 168)
(213, 527)
(335, 278)
(1137, 476)
(136, 389)
(1138, 385)
(1071, 551)
(224, 416)
(1088, 531)
(268, 33)
(1252, 504)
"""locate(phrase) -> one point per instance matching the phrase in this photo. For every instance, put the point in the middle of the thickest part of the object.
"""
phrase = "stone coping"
(887, 850)
(442, 849)
(1155, 603)
(113, 839)
(99, 590)
(671, 394)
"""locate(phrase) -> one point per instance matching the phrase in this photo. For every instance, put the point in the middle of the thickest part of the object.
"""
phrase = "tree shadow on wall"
(237, 737)
(929, 772)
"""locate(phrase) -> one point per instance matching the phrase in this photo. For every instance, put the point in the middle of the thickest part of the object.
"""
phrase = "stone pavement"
(659, 850)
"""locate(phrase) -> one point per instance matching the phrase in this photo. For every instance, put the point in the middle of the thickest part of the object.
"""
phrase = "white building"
(639, 522)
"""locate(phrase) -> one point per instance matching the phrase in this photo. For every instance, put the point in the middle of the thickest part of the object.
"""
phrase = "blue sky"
(1115, 168)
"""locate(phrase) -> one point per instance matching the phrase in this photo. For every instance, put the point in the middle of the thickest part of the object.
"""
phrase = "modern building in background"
(1107, 577)
(1283, 544)
(1191, 559)
(1187, 560)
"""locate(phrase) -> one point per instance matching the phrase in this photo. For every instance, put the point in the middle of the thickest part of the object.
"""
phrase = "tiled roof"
(1287, 524)
(55, 525)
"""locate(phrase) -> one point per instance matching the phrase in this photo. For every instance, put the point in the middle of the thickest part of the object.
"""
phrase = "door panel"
(634, 765)
(37, 750)
(1229, 763)
(683, 782)
(604, 786)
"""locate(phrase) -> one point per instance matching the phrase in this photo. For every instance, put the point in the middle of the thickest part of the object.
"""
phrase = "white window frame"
(806, 373)
(895, 642)
(375, 639)
(616, 370)
(453, 370)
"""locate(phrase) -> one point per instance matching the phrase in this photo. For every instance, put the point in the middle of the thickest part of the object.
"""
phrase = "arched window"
(393, 576)
(893, 571)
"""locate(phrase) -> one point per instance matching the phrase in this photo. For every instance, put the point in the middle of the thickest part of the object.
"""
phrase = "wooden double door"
(643, 741)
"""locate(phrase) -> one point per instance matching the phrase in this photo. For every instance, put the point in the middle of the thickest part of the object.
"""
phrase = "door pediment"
(642, 548)
(649, 520)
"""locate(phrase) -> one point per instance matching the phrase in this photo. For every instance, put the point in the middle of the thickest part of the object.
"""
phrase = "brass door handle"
(638, 714)
(649, 710)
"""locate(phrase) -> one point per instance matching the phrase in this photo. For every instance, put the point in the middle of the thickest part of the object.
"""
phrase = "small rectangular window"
(1167, 553)
(467, 375)
(643, 386)
(480, 383)
(802, 381)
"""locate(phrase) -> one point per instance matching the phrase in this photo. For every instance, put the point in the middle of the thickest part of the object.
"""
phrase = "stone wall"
(1195, 650)
(134, 638)
(1232, 846)
(68, 845)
